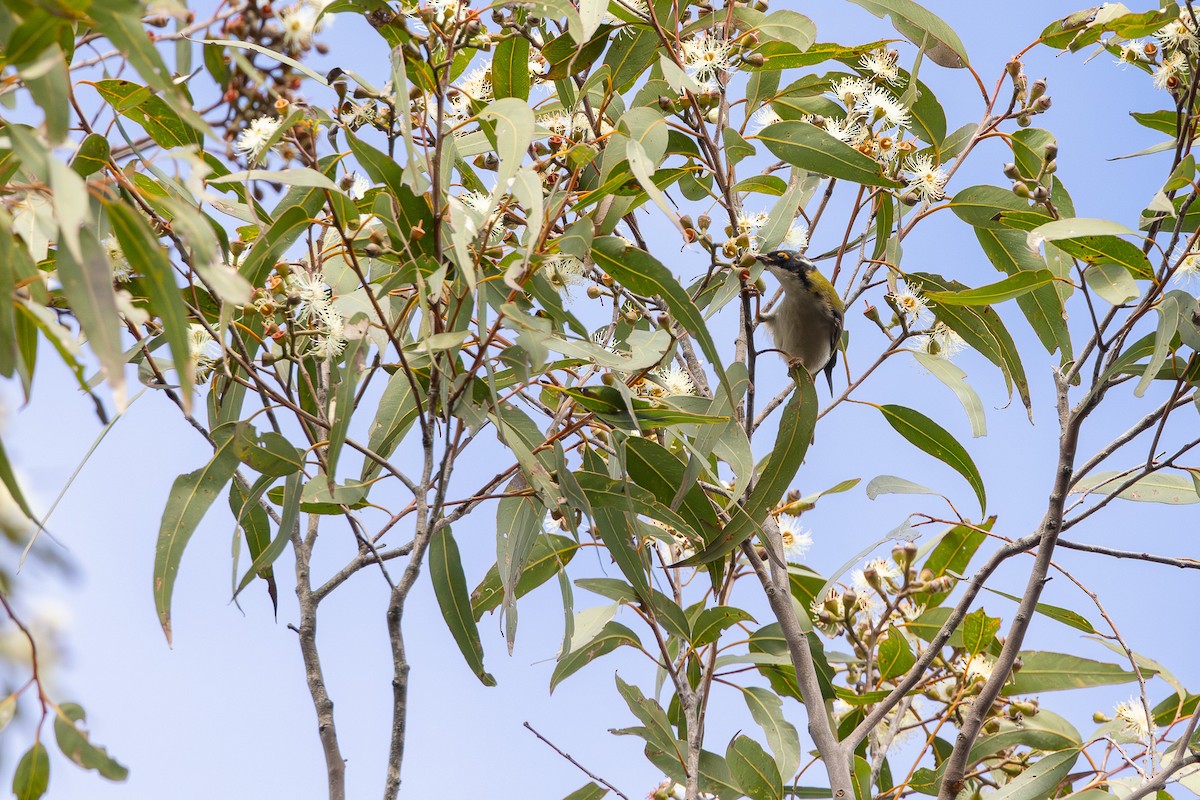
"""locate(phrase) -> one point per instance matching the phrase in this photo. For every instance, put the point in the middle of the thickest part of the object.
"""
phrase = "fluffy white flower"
(844, 130)
(299, 24)
(1171, 71)
(563, 271)
(253, 141)
(879, 105)
(796, 540)
(942, 341)
(1132, 716)
(122, 272)
(475, 85)
(478, 202)
(882, 65)
(356, 186)
(797, 236)
(314, 294)
(331, 340)
(925, 179)
(763, 117)
(912, 304)
(203, 351)
(706, 56)
(674, 380)
(849, 91)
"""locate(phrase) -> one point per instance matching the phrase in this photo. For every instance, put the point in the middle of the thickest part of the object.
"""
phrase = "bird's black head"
(787, 260)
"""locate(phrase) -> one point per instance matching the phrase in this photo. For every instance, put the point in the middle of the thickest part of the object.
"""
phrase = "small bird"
(807, 323)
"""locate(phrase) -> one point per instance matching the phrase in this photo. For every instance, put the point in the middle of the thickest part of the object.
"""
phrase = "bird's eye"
(781, 255)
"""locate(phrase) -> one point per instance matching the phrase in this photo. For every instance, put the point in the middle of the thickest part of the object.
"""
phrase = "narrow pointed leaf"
(450, 589)
(933, 439)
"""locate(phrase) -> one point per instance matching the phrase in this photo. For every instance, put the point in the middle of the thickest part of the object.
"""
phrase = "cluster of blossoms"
(669, 381)
(311, 303)
(1179, 41)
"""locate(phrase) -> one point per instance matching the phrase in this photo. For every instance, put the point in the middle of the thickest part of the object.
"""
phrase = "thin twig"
(579, 766)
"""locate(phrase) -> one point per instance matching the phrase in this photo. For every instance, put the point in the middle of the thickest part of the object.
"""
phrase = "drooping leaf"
(191, 496)
(610, 637)
(923, 28)
(933, 439)
(76, 745)
(450, 589)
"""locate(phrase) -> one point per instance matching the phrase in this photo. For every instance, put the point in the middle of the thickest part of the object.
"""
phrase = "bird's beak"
(763, 258)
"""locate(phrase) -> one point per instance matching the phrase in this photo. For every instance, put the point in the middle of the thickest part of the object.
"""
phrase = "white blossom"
(882, 65)
(674, 380)
(122, 272)
(925, 179)
(706, 56)
(253, 141)
(878, 104)
(796, 540)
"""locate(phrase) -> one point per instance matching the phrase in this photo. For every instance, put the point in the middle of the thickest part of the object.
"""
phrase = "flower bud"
(594, 292)
(1051, 167)
(1037, 89)
(1024, 120)
(1021, 189)
(903, 554)
(872, 313)
(746, 261)
(1013, 68)
(1042, 104)
(703, 221)
(754, 59)
(1011, 172)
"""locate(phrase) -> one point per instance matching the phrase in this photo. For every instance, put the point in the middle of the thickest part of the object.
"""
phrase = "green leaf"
(712, 621)
(450, 589)
(629, 56)
(954, 552)
(1053, 672)
(191, 495)
(288, 520)
(950, 374)
(87, 284)
(610, 637)
(786, 26)
(796, 427)
(549, 555)
(141, 247)
(341, 402)
(810, 148)
(657, 728)
(982, 329)
(9, 479)
(990, 207)
(267, 453)
(753, 770)
(1010, 253)
(1112, 282)
(518, 523)
(75, 745)
(1170, 489)
(138, 103)
(767, 710)
(933, 439)
(895, 655)
(589, 791)
(1041, 779)
(32, 776)
(979, 631)
(92, 155)
(644, 274)
(121, 22)
(510, 68)
(1045, 731)
(1168, 324)
(1014, 285)
(923, 28)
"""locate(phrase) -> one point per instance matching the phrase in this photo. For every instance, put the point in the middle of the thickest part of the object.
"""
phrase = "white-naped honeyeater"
(807, 323)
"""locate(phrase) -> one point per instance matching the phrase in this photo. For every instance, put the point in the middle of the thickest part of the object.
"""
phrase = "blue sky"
(226, 713)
